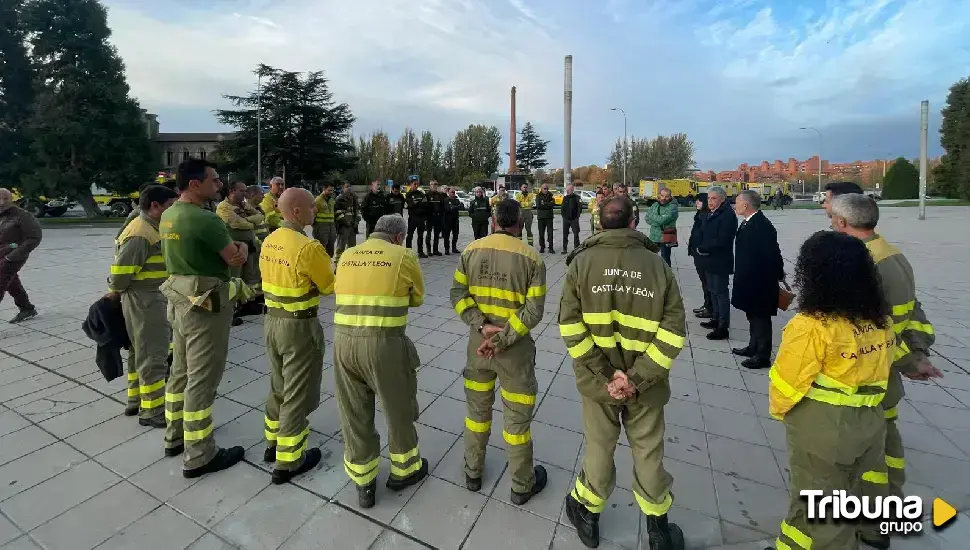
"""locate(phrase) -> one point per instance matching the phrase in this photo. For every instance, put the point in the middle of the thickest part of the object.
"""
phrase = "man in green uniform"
(296, 272)
(622, 319)
(500, 292)
(268, 204)
(136, 274)
(857, 215)
(346, 216)
(198, 253)
(323, 228)
(372, 356)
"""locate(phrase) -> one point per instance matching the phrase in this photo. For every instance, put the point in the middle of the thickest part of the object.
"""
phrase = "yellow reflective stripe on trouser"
(464, 304)
(300, 440)
(896, 462)
(147, 391)
(798, 537)
(197, 416)
(517, 439)
(272, 426)
(578, 350)
(891, 414)
(362, 474)
(572, 329)
(403, 458)
(652, 509)
(480, 386)
(478, 427)
(581, 493)
(781, 545)
(132, 376)
(521, 398)
(879, 478)
(152, 387)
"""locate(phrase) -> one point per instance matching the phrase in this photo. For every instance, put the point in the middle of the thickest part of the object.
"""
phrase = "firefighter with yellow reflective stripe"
(269, 204)
(525, 201)
(136, 274)
(254, 196)
(622, 319)
(323, 222)
(242, 228)
(198, 253)
(377, 281)
(296, 272)
(827, 386)
(500, 292)
(857, 215)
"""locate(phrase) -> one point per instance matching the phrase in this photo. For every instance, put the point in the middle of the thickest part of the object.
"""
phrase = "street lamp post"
(624, 141)
(819, 154)
(259, 129)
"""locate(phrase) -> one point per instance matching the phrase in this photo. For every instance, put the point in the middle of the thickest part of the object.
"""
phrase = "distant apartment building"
(793, 168)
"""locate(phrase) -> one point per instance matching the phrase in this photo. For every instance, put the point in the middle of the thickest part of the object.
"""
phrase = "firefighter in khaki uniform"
(376, 283)
(254, 196)
(323, 227)
(500, 291)
(268, 204)
(242, 228)
(525, 201)
(136, 274)
(857, 215)
(198, 253)
(622, 319)
(296, 272)
(827, 385)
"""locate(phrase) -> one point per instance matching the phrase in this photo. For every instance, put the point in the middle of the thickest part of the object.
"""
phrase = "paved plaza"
(76, 474)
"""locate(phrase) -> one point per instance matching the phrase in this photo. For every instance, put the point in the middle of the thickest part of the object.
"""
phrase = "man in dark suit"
(758, 266)
(715, 252)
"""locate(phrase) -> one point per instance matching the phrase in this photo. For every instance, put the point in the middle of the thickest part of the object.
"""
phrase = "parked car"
(465, 198)
(586, 197)
(819, 197)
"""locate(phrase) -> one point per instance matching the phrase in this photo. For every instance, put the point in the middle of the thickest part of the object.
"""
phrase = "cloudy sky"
(738, 76)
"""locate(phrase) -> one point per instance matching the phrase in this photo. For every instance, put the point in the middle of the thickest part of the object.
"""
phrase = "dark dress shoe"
(705, 314)
(743, 352)
(699, 309)
(755, 364)
(718, 334)
(710, 325)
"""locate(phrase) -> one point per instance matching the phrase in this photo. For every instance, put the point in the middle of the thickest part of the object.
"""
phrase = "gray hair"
(276, 179)
(717, 190)
(751, 197)
(392, 224)
(858, 211)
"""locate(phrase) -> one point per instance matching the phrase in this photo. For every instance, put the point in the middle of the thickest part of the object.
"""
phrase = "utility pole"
(624, 141)
(567, 176)
(924, 124)
(259, 129)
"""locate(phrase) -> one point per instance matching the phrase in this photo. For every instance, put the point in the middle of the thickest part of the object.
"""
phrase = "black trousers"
(545, 232)
(370, 227)
(717, 285)
(416, 224)
(451, 235)
(760, 341)
(703, 277)
(436, 225)
(480, 229)
(568, 225)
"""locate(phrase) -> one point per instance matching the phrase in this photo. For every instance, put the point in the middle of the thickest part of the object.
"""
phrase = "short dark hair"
(843, 188)
(507, 213)
(616, 212)
(191, 169)
(396, 187)
(153, 194)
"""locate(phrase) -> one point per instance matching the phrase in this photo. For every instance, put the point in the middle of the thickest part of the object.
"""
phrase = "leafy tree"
(305, 133)
(476, 149)
(952, 175)
(407, 156)
(902, 180)
(663, 157)
(427, 164)
(530, 151)
(470, 180)
(85, 128)
(16, 94)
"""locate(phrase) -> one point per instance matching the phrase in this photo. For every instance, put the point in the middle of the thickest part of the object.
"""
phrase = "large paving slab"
(75, 474)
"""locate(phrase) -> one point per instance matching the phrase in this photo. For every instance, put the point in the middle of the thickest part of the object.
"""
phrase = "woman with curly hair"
(827, 383)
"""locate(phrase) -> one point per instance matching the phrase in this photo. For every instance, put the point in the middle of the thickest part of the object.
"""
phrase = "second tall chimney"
(512, 134)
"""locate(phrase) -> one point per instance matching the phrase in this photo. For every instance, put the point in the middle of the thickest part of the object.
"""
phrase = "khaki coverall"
(323, 223)
(242, 228)
(827, 384)
(621, 310)
(376, 283)
(296, 272)
(525, 201)
(502, 281)
(137, 272)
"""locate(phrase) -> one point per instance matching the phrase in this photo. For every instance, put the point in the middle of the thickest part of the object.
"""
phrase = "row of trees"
(662, 157)
(953, 172)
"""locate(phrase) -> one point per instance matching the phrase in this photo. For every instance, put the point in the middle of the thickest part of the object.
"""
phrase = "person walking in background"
(525, 201)
(452, 218)
(758, 268)
(545, 204)
(20, 234)
(715, 248)
(779, 199)
(323, 221)
(373, 207)
(827, 384)
(662, 219)
(700, 216)
(480, 211)
(571, 210)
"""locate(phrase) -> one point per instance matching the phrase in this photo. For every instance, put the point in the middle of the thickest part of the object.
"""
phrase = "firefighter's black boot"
(587, 523)
(664, 535)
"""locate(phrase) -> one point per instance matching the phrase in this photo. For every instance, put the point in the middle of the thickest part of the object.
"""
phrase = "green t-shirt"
(192, 238)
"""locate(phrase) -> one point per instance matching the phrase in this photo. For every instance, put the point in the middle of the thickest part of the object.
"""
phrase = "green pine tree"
(16, 94)
(902, 180)
(86, 129)
(530, 152)
(953, 172)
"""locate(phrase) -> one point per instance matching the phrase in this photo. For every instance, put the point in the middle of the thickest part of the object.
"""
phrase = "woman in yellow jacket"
(826, 385)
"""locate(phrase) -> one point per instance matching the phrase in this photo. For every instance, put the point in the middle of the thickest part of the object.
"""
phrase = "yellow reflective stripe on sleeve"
(152, 404)
(913, 325)
(461, 278)
(896, 462)
(784, 387)
(152, 387)
(359, 300)
(293, 306)
(596, 504)
(125, 269)
(659, 357)
(651, 509)
(286, 291)
(291, 440)
(404, 457)
(478, 427)
(903, 309)
(879, 478)
(578, 350)
(629, 321)
(195, 416)
(513, 439)
(536, 291)
(670, 338)
(196, 435)
(132, 376)
(141, 276)
(480, 386)
(902, 350)
(890, 414)
(156, 259)
(796, 535)
(518, 325)
(464, 304)
(368, 320)
(572, 329)
(174, 397)
(521, 398)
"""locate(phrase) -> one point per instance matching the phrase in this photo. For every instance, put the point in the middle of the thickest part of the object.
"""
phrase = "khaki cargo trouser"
(895, 461)
(250, 271)
(346, 238)
(326, 233)
(148, 329)
(200, 345)
(295, 349)
(527, 224)
(515, 370)
(369, 364)
(829, 449)
(644, 427)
